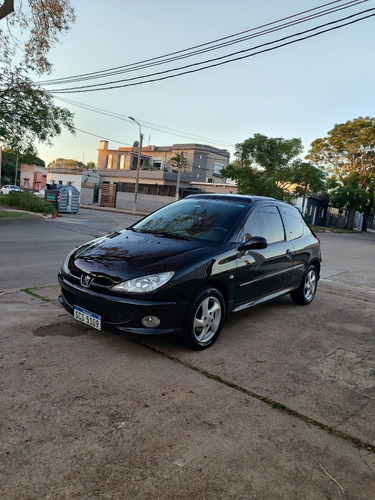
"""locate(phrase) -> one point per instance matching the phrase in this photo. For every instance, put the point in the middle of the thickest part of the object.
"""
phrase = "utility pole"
(138, 164)
(179, 175)
(15, 175)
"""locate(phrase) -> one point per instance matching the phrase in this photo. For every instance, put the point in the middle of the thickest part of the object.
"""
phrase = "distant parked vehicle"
(40, 194)
(8, 188)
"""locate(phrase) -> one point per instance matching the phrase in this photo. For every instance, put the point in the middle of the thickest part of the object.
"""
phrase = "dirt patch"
(64, 329)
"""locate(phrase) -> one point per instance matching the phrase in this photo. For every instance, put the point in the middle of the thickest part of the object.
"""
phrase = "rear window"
(295, 224)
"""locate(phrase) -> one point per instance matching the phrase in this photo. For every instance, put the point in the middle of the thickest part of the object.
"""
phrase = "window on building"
(122, 162)
(218, 167)
(321, 212)
(69, 183)
(60, 183)
(309, 210)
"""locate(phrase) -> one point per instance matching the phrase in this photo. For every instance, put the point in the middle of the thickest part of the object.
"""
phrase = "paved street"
(33, 249)
(282, 406)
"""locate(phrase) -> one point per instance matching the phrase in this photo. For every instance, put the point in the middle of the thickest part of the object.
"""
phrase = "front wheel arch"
(204, 319)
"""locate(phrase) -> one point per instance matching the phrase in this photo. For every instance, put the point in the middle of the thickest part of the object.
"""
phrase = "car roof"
(237, 198)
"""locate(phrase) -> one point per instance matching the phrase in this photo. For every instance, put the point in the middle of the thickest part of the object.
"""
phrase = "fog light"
(150, 321)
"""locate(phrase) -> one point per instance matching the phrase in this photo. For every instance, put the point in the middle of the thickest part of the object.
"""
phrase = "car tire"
(305, 293)
(204, 319)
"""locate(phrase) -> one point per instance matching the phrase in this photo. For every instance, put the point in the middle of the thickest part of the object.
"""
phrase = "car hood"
(128, 254)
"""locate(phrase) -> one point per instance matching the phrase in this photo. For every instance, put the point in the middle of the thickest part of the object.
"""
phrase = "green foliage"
(28, 30)
(8, 164)
(348, 152)
(28, 202)
(28, 114)
(66, 163)
(270, 167)
(91, 165)
(270, 153)
(10, 213)
(349, 193)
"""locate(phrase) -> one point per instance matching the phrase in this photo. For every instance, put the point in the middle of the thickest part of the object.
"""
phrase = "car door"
(266, 271)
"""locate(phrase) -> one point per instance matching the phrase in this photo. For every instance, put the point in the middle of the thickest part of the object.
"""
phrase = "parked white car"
(40, 194)
(8, 188)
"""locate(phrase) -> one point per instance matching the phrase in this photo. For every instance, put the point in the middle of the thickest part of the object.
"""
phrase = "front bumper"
(121, 313)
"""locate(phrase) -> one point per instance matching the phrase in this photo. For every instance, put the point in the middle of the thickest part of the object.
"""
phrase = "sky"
(299, 90)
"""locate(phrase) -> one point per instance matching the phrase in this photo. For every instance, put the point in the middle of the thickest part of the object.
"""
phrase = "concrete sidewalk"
(281, 407)
(96, 206)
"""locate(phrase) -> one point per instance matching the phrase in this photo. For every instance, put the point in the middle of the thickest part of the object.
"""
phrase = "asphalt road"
(32, 249)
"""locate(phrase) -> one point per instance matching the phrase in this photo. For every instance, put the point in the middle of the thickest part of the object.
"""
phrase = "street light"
(138, 163)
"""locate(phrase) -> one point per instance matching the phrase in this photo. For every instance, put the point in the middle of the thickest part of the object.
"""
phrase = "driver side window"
(265, 222)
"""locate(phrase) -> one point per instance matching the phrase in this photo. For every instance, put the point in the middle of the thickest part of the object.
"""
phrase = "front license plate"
(87, 317)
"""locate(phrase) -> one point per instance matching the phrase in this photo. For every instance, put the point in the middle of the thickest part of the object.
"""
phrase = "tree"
(348, 153)
(307, 179)
(269, 166)
(272, 154)
(9, 162)
(43, 20)
(67, 163)
(91, 165)
(27, 112)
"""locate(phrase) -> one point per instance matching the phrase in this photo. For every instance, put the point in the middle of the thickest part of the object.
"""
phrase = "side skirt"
(266, 298)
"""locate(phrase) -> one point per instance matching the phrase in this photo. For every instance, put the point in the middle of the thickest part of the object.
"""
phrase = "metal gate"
(108, 198)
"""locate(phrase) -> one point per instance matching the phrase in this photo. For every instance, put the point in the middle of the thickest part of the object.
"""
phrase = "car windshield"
(204, 219)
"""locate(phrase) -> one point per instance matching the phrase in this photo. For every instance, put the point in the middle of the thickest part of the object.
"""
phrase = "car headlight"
(64, 267)
(144, 284)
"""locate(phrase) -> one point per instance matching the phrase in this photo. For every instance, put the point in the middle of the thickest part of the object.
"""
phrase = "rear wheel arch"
(316, 263)
(305, 293)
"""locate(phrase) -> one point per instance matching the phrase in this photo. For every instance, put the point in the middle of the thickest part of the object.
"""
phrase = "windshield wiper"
(166, 234)
(172, 235)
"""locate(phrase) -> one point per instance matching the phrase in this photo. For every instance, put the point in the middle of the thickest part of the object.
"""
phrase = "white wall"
(145, 202)
(74, 179)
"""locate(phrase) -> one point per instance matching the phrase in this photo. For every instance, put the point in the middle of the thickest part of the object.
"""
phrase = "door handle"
(288, 254)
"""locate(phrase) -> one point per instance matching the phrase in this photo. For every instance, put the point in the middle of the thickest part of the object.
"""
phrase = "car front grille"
(110, 312)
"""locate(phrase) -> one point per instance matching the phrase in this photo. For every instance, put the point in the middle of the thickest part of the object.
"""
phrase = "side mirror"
(255, 243)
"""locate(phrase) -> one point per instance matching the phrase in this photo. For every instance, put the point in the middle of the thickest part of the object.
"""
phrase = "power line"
(97, 87)
(208, 46)
(101, 137)
(152, 126)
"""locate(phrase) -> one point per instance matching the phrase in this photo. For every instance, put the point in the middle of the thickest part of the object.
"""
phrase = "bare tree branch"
(6, 8)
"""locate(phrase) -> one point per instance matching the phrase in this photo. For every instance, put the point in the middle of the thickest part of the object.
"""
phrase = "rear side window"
(266, 222)
(294, 222)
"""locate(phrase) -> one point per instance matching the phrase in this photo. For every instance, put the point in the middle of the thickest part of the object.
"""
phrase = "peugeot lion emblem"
(86, 280)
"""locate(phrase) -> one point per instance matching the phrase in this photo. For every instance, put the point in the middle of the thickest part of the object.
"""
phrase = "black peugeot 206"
(183, 268)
